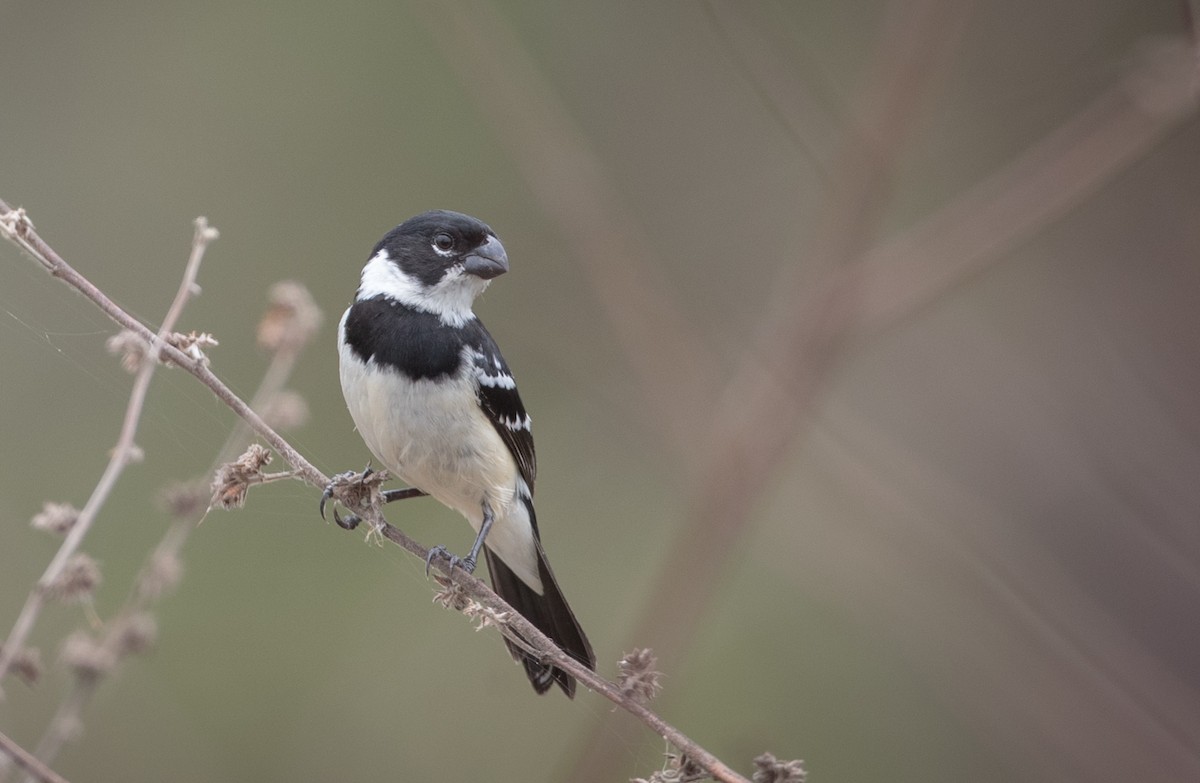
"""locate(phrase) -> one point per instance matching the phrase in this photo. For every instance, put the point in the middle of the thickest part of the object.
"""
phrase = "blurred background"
(861, 342)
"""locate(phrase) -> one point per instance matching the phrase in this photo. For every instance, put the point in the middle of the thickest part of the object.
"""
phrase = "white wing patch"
(501, 381)
(518, 424)
(494, 377)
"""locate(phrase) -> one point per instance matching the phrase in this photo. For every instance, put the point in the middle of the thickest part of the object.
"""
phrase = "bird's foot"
(467, 564)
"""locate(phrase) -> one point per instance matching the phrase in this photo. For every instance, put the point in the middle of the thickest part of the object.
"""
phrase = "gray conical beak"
(487, 261)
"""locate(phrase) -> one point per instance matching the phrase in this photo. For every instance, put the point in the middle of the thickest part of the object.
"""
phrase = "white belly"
(433, 436)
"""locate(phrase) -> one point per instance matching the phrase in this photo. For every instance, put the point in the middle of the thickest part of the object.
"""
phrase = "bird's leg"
(388, 495)
(468, 563)
(488, 519)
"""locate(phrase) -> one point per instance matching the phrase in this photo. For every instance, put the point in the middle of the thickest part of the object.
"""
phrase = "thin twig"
(28, 761)
(28, 239)
(126, 448)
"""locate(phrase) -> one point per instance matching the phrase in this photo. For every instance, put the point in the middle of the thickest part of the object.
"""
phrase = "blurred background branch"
(784, 368)
(28, 761)
(289, 324)
(1156, 92)
(126, 450)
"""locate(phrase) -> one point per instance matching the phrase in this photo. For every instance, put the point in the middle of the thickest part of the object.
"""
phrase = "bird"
(435, 402)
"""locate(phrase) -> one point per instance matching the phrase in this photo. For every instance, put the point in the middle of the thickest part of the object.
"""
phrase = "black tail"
(552, 616)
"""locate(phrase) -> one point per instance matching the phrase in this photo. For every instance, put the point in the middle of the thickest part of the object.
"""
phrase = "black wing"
(499, 399)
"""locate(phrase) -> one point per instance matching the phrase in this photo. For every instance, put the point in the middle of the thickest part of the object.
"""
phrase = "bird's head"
(437, 262)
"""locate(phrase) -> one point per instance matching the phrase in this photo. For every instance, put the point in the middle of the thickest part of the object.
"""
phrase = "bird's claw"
(466, 564)
(325, 496)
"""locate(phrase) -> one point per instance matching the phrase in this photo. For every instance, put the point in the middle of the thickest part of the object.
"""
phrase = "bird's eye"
(443, 241)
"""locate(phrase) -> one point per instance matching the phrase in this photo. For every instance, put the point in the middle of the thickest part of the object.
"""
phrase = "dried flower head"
(26, 664)
(233, 479)
(193, 344)
(132, 349)
(287, 410)
(86, 656)
(677, 768)
(161, 575)
(55, 518)
(204, 232)
(636, 676)
(184, 499)
(486, 617)
(135, 634)
(15, 223)
(291, 319)
(451, 595)
(77, 581)
(768, 769)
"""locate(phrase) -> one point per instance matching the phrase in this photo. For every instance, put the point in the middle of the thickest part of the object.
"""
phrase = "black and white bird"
(434, 400)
